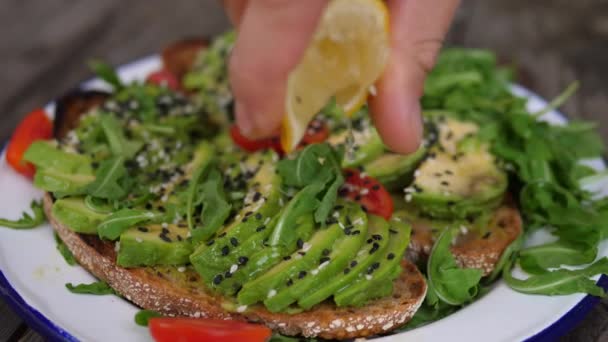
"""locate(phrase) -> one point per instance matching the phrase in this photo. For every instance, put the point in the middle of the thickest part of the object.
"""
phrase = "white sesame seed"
(139, 240)
(408, 197)
(416, 173)
(323, 265)
(396, 218)
(321, 160)
(358, 221)
(241, 308)
(336, 214)
(372, 90)
(314, 272)
(267, 220)
(341, 224)
(368, 276)
(408, 190)
(181, 269)
(464, 229)
(281, 202)
(233, 268)
(364, 191)
(117, 246)
(362, 175)
(272, 293)
(164, 225)
(306, 247)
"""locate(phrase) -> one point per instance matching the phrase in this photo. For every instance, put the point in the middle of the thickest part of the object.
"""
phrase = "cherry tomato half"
(368, 192)
(165, 78)
(196, 329)
(35, 126)
(316, 132)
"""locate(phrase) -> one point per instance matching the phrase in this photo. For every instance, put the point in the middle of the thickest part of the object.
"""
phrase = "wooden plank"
(9, 321)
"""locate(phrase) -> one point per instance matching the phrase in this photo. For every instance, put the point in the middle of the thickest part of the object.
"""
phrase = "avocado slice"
(154, 244)
(376, 242)
(266, 285)
(213, 258)
(74, 213)
(394, 170)
(383, 270)
(460, 177)
(343, 252)
(254, 258)
(367, 144)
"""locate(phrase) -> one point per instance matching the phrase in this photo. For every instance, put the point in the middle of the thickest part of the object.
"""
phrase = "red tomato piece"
(165, 78)
(317, 132)
(196, 329)
(35, 126)
(368, 192)
(251, 145)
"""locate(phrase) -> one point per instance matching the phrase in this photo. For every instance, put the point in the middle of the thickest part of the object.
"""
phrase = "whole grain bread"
(472, 249)
(175, 293)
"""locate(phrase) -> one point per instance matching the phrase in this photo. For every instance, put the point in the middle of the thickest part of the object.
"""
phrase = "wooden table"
(45, 46)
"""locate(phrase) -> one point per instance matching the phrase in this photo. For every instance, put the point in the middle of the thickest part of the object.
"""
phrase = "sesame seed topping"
(241, 308)
(225, 250)
(272, 293)
(233, 268)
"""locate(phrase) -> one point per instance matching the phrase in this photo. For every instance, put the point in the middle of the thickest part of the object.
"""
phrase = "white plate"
(33, 277)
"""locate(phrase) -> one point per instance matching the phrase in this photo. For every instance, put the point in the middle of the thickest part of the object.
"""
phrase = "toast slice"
(174, 293)
(472, 249)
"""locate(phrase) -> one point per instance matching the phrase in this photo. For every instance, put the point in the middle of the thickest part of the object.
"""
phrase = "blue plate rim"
(44, 326)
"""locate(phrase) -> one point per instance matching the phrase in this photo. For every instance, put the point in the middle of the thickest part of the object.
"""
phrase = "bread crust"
(152, 289)
(179, 56)
(471, 249)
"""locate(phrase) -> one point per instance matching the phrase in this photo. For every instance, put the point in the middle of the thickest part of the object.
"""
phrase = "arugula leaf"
(452, 284)
(303, 203)
(506, 256)
(106, 73)
(64, 250)
(119, 144)
(58, 171)
(537, 259)
(121, 220)
(215, 207)
(559, 282)
(316, 164)
(108, 176)
(142, 318)
(99, 288)
(27, 221)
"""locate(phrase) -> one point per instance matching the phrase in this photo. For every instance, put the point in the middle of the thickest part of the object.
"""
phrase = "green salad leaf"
(108, 178)
(120, 146)
(142, 317)
(106, 73)
(64, 250)
(215, 208)
(27, 221)
(452, 284)
(559, 282)
(99, 288)
(317, 165)
(119, 221)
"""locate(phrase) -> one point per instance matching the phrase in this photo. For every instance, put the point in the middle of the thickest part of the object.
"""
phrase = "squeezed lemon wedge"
(346, 56)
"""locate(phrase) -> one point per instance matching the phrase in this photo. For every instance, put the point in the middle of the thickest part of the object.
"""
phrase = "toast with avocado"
(152, 197)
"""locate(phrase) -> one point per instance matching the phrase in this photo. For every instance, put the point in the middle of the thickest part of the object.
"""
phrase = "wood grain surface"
(44, 46)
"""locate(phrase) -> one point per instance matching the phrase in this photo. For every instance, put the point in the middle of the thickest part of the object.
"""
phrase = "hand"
(273, 35)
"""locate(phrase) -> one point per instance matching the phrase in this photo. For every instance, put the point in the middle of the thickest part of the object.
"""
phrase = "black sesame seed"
(302, 253)
(218, 279)
(486, 235)
(258, 216)
(249, 213)
(287, 257)
(260, 228)
(339, 207)
(376, 187)
(165, 238)
(180, 238)
(390, 256)
(300, 243)
(444, 183)
(392, 231)
(222, 235)
(370, 240)
(257, 196)
(302, 274)
(243, 260)
(148, 206)
(227, 275)
(225, 250)
(346, 270)
(374, 248)
(377, 237)
(364, 208)
(165, 231)
(182, 225)
(438, 174)
(358, 198)
(143, 229)
(323, 259)
(375, 265)
(234, 241)
(326, 252)
(289, 282)
(353, 263)
(448, 172)
(210, 242)
(356, 232)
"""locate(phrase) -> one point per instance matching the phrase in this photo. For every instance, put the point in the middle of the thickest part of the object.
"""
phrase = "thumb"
(417, 32)
(273, 35)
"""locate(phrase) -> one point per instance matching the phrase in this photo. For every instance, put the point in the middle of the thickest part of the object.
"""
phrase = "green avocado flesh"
(394, 170)
(75, 214)
(459, 178)
(152, 245)
(366, 144)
